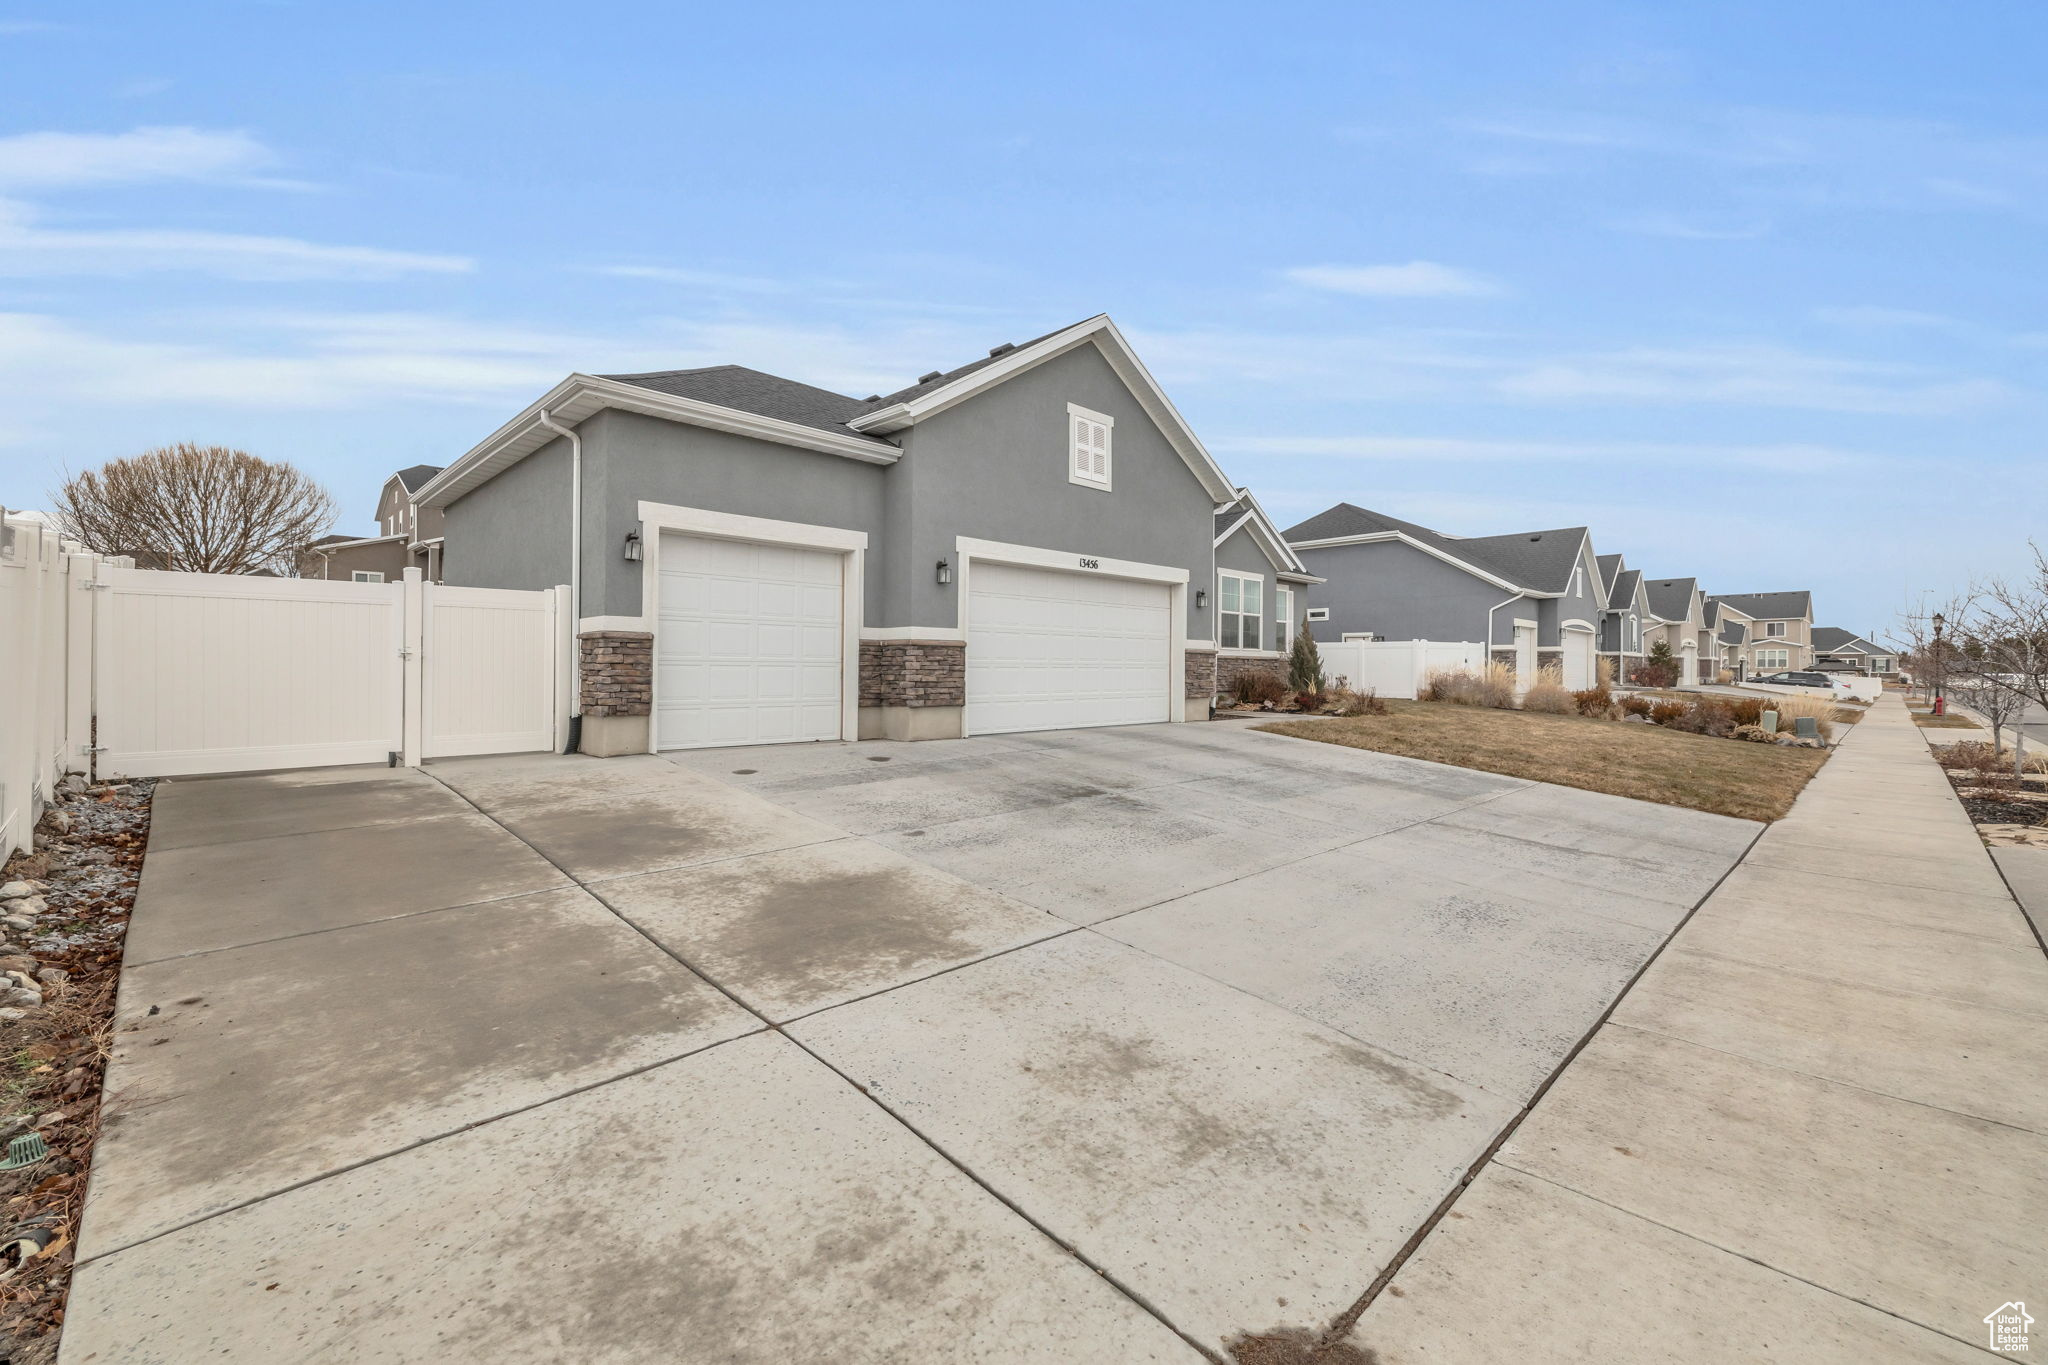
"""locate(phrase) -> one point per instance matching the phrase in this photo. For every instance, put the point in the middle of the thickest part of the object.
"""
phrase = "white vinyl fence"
(1397, 668)
(126, 672)
(45, 671)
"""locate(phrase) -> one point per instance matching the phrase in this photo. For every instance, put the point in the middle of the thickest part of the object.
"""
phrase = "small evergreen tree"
(1305, 662)
(1658, 669)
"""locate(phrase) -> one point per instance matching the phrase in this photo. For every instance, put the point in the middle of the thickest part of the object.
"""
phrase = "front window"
(1635, 632)
(1774, 658)
(1242, 600)
(365, 576)
(1774, 629)
(1283, 618)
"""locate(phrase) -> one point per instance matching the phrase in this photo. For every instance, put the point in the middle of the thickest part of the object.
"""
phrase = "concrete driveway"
(1102, 1045)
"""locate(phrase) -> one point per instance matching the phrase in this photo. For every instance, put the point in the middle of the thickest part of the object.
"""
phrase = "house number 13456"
(1091, 563)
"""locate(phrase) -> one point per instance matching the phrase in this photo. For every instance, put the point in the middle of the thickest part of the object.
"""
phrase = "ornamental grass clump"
(1795, 705)
(1548, 696)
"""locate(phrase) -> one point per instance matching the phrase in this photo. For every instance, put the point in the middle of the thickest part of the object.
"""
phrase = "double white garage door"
(750, 646)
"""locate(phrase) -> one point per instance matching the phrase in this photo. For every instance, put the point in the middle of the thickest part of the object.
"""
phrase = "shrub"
(1594, 701)
(1633, 705)
(1725, 676)
(1305, 661)
(1493, 685)
(1665, 712)
(1754, 734)
(1497, 685)
(1658, 668)
(1259, 689)
(1548, 696)
(1604, 673)
(1746, 710)
(1981, 757)
(1345, 702)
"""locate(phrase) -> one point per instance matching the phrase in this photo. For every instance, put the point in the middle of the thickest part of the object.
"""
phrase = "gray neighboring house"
(1838, 650)
(1627, 615)
(1734, 639)
(406, 538)
(1533, 597)
(1261, 593)
(1028, 541)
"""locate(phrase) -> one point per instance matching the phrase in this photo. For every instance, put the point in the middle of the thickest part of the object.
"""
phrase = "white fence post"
(414, 654)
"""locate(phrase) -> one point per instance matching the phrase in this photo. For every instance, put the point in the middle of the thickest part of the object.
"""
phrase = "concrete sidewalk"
(1815, 1130)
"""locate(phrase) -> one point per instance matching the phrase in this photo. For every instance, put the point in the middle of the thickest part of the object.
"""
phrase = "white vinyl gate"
(219, 673)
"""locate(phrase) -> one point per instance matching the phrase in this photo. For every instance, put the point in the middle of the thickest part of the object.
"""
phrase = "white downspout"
(1489, 620)
(548, 422)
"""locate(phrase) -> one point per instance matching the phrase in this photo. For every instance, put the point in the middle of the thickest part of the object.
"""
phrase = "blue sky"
(1757, 291)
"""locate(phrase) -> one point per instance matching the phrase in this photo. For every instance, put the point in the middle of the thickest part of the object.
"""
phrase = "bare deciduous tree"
(202, 509)
(1994, 643)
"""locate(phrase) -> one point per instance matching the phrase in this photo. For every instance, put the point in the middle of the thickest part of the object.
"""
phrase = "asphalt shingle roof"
(1671, 598)
(1624, 591)
(768, 395)
(1830, 638)
(416, 477)
(1538, 560)
(1770, 606)
(1734, 632)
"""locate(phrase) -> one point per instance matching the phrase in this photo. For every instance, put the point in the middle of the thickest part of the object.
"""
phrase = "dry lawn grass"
(1647, 762)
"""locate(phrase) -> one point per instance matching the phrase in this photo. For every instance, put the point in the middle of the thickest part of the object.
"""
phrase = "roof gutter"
(575, 540)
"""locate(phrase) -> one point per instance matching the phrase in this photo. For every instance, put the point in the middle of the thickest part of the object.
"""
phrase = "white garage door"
(1049, 650)
(1578, 659)
(749, 649)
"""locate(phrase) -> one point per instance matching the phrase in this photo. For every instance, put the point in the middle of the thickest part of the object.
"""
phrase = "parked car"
(1803, 678)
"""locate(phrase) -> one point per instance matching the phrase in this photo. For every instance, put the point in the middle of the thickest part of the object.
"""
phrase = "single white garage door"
(748, 649)
(1578, 659)
(1049, 650)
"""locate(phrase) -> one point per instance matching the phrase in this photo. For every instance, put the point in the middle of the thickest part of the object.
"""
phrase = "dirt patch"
(1295, 1346)
(85, 868)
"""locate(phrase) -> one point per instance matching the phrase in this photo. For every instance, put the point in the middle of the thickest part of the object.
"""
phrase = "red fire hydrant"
(1941, 706)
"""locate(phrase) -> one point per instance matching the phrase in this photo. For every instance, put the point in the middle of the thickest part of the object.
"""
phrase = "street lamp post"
(1940, 667)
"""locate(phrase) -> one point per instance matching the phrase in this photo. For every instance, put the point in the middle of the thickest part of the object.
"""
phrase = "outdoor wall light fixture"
(1201, 597)
(633, 544)
(945, 573)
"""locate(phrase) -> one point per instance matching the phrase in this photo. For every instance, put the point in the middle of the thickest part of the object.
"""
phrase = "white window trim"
(1283, 617)
(1258, 582)
(657, 517)
(1077, 414)
(365, 576)
(1775, 630)
(968, 551)
(1318, 613)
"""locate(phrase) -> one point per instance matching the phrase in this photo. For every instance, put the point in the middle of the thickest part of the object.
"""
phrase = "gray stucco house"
(1836, 649)
(1678, 611)
(1627, 614)
(1027, 541)
(1261, 593)
(1533, 597)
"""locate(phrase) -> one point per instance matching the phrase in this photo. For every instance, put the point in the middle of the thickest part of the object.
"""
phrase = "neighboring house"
(407, 537)
(1260, 593)
(1711, 661)
(1532, 598)
(1734, 636)
(1678, 612)
(1025, 542)
(1780, 626)
(1627, 615)
(1836, 649)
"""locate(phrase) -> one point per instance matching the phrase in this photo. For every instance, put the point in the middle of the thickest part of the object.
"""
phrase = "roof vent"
(928, 378)
(1534, 539)
(872, 398)
(1003, 349)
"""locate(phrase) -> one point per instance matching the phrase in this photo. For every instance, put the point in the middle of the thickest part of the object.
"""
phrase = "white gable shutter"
(1089, 448)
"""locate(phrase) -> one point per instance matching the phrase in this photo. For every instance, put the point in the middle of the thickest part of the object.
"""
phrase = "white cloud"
(67, 160)
(1690, 230)
(1788, 458)
(28, 250)
(1416, 279)
(1749, 376)
(702, 279)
